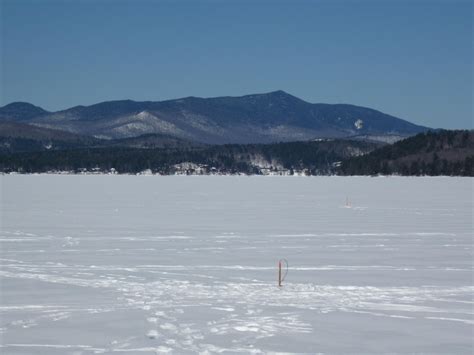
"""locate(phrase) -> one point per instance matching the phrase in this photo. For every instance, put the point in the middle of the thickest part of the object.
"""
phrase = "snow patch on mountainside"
(389, 138)
(144, 115)
(143, 123)
(359, 124)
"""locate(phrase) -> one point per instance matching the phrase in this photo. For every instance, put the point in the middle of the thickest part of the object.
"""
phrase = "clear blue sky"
(411, 59)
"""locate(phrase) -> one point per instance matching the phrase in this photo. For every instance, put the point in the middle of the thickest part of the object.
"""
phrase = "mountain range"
(261, 118)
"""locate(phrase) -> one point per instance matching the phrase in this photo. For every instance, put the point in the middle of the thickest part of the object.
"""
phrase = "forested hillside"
(315, 157)
(431, 153)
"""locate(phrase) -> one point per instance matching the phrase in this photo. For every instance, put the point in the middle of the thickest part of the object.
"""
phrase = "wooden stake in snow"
(279, 273)
(281, 277)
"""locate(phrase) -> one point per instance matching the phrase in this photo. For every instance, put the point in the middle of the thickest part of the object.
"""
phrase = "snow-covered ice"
(149, 264)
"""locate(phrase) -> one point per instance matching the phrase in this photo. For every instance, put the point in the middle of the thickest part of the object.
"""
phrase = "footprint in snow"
(152, 334)
(168, 326)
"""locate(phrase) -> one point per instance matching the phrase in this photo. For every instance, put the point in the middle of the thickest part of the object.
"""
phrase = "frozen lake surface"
(149, 264)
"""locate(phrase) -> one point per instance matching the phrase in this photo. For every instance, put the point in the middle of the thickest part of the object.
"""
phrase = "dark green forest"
(312, 157)
(433, 153)
(443, 152)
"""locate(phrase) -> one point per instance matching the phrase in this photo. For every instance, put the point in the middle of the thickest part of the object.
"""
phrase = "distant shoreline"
(445, 153)
(59, 173)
